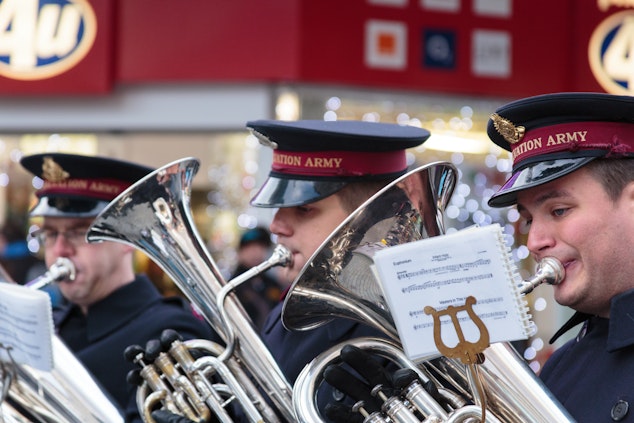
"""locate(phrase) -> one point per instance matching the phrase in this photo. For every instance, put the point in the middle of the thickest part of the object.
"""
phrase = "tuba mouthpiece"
(282, 256)
(62, 269)
(549, 270)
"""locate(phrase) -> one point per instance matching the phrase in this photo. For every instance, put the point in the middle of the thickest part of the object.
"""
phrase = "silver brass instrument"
(549, 271)
(338, 282)
(154, 216)
(62, 269)
(67, 393)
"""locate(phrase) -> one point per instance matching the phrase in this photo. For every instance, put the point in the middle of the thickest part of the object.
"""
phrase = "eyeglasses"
(74, 236)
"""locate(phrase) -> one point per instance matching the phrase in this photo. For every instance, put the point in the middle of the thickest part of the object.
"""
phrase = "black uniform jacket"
(593, 374)
(133, 314)
(293, 350)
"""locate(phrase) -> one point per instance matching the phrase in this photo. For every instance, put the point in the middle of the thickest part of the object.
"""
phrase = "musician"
(573, 184)
(110, 307)
(321, 172)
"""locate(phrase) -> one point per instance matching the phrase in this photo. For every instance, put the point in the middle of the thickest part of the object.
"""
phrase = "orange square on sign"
(386, 43)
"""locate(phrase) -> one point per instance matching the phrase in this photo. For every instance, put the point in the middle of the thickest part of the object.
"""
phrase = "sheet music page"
(26, 326)
(443, 271)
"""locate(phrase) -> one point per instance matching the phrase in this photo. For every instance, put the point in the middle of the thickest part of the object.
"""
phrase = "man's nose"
(280, 225)
(540, 238)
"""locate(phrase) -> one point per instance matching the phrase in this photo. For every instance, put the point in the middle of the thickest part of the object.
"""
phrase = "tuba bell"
(66, 393)
(154, 216)
(338, 282)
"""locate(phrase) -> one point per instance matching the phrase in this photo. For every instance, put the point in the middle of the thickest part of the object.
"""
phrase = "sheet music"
(443, 271)
(26, 326)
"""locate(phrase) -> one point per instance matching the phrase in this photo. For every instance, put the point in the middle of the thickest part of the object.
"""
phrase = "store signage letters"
(40, 39)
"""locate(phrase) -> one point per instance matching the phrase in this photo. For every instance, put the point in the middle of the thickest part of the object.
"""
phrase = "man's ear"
(628, 195)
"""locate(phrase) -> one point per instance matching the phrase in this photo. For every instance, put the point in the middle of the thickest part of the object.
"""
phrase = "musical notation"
(26, 326)
(442, 272)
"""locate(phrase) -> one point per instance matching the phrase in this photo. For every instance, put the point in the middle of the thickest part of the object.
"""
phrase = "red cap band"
(102, 189)
(614, 137)
(338, 163)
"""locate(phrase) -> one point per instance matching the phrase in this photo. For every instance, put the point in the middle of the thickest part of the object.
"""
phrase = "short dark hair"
(354, 194)
(613, 174)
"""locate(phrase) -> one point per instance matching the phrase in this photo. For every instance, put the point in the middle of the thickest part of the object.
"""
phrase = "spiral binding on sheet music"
(515, 279)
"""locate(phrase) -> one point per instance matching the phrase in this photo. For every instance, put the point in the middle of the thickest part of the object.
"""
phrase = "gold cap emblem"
(264, 140)
(507, 129)
(52, 171)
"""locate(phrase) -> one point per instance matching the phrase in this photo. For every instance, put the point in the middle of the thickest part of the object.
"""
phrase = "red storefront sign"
(56, 46)
(506, 48)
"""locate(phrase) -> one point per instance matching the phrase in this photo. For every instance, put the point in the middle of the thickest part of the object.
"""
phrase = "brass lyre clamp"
(465, 351)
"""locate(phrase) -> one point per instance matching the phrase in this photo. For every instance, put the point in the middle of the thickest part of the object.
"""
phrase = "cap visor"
(534, 175)
(284, 192)
(46, 207)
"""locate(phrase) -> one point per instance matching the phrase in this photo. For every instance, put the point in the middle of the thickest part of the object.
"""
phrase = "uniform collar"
(621, 322)
(120, 307)
(571, 323)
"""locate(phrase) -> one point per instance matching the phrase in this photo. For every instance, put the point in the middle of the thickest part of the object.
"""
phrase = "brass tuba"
(154, 215)
(66, 393)
(338, 282)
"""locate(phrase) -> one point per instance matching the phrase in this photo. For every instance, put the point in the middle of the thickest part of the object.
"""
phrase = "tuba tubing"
(154, 216)
(513, 390)
(311, 377)
(281, 257)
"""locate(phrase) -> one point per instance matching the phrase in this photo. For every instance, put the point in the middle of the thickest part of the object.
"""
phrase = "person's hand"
(164, 416)
(368, 380)
(367, 373)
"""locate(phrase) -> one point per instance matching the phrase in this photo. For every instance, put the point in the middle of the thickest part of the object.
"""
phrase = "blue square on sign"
(439, 49)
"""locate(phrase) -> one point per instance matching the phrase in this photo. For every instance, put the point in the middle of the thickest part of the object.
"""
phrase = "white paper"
(26, 326)
(443, 271)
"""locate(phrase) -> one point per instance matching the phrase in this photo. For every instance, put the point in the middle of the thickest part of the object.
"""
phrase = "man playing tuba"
(321, 172)
(573, 184)
(109, 306)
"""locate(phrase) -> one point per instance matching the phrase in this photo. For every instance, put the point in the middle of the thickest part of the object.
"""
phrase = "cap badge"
(507, 129)
(264, 140)
(52, 171)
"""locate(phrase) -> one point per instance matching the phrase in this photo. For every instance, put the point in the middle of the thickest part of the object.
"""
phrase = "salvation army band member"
(321, 172)
(110, 307)
(573, 184)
